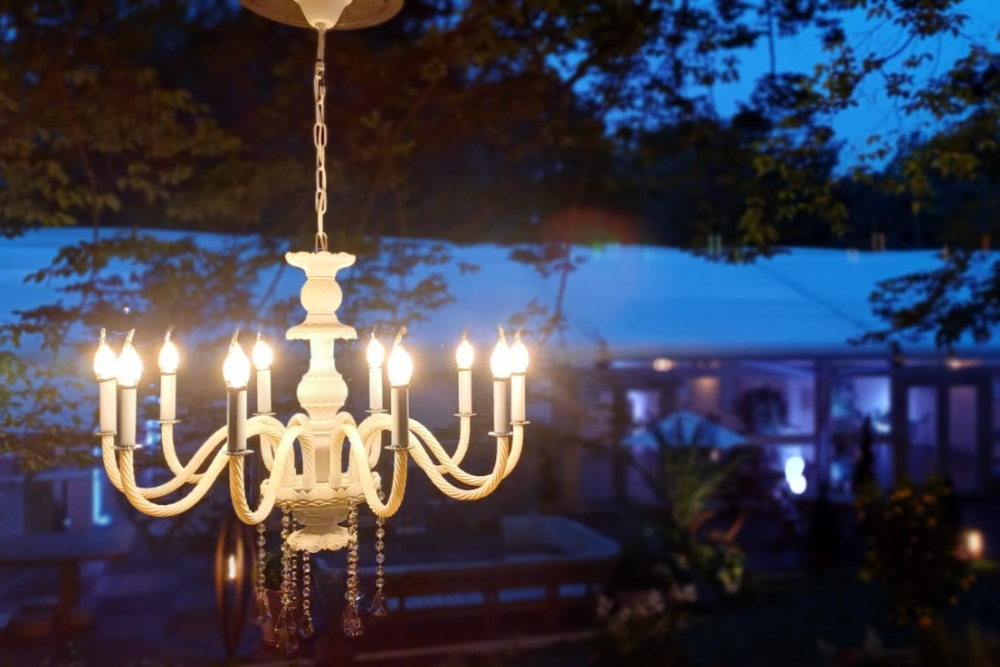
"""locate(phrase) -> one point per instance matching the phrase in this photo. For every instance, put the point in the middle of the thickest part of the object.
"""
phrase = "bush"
(642, 632)
(913, 549)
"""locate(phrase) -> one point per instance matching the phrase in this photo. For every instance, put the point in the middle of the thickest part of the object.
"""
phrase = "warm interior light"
(662, 365)
(464, 354)
(262, 354)
(169, 358)
(518, 356)
(231, 567)
(105, 362)
(974, 544)
(400, 366)
(236, 368)
(129, 367)
(500, 359)
(375, 353)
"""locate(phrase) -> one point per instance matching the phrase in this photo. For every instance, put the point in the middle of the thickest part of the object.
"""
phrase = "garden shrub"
(912, 549)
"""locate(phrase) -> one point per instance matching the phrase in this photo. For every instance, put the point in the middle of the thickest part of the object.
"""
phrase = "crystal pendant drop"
(378, 607)
(263, 606)
(352, 619)
(306, 629)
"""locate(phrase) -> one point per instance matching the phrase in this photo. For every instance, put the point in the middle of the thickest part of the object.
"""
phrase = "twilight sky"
(875, 114)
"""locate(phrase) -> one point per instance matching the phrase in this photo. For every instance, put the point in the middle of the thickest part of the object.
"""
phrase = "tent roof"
(643, 302)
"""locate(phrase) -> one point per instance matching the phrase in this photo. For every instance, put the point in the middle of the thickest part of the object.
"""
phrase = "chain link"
(319, 138)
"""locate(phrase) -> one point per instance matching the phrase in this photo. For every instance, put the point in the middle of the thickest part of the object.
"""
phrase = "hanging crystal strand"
(306, 626)
(352, 619)
(378, 601)
(263, 607)
(284, 629)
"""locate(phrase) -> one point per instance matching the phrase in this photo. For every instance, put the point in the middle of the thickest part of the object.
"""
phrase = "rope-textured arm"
(170, 453)
(464, 435)
(268, 487)
(423, 460)
(267, 428)
(448, 466)
(515, 452)
(268, 441)
(186, 475)
(138, 501)
(370, 431)
(359, 461)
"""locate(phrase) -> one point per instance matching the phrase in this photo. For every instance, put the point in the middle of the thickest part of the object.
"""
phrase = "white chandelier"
(320, 501)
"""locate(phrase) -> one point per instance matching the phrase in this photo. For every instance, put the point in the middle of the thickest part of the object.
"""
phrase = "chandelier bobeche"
(320, 501)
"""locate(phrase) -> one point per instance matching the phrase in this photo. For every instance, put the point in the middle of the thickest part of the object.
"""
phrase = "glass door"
(942, 427)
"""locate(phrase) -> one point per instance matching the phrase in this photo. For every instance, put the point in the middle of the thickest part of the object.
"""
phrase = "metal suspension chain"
(319, 138)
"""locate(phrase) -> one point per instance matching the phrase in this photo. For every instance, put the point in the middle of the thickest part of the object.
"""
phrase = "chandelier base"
(322, 529)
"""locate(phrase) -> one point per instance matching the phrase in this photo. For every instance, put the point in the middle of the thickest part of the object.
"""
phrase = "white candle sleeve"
(501, 416)
(126, 416)
(236, 440)
(108, 405)
(375, 388)
(264, 391)
(517, 383)
(464, 391)
(399, 401)
(168, 397)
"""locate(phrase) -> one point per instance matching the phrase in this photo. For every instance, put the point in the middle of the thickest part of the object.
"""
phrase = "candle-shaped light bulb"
(399, 366)
(236, 371)
(236, 368)
(375, 353)
(500, 359)
(105, 368)
(464, 354)
(129, 365)
(105, 361)
(463, 359)
(263, 355)
(129, 372)
(518, 355)
(169, 358)
(500, 365)
(518, 380)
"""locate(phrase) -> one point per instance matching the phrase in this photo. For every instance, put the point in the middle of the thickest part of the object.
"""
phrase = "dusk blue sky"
(876, 114)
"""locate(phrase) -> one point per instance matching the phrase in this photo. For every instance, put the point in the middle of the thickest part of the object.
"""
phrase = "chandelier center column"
(322, 391)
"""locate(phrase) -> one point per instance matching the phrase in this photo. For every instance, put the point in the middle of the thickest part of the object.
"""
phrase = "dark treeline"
(472, 121)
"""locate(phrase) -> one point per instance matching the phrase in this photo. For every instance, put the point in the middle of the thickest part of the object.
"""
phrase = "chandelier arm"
(269, 439)
(170, 453)
(138, 501)
(371, 430)
(267, 428)
(515, 452)
(430, 469)
(185, 476)
(448, 466)
(268, 488)
(464, 436)
(359, 459)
